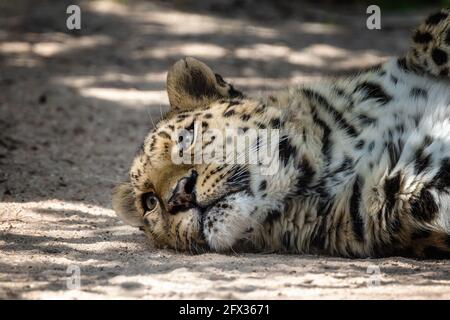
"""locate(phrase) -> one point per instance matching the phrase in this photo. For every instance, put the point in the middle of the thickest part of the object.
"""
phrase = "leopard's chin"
(227, 235)
(224, 230)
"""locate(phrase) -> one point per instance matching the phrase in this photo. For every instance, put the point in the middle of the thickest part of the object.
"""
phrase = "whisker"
(150, 115)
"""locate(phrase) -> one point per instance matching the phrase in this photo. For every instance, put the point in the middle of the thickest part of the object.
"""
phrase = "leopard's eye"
(149, 201)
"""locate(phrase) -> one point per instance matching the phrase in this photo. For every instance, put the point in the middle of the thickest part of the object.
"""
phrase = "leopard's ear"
(124, 204)
(192, 84)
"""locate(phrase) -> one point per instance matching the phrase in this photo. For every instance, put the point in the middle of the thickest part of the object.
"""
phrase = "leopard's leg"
(427, 244)
(430, 46)
(413, 218)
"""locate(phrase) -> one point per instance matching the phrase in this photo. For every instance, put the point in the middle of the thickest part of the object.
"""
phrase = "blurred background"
(75, 106)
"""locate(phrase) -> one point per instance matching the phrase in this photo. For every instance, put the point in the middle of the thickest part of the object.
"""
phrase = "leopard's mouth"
(224, 226)
(204, 210)
(199, 242)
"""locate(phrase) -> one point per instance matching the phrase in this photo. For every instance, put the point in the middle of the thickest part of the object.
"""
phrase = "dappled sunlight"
(200, 50)
(52, 48)
(60, 232)
(46, 237)
(117, 79)
(126, 97)
(316, 55)
(320, 28)
(15, 47)
(19, 55)
(114, 8)
(75, 107)
(320, 55)
(201, 24)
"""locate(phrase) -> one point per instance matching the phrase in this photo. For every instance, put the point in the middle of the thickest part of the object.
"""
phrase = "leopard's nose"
(183, 196)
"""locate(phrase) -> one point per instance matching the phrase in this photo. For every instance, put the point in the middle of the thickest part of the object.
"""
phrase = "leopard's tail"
(430, 48)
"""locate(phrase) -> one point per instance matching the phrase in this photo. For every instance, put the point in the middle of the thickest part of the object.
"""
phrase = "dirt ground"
(75, 105)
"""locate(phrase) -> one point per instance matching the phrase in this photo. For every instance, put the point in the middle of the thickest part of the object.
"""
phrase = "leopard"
(360, 166)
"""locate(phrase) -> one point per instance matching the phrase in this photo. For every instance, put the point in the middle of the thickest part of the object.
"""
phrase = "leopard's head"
(197, 183)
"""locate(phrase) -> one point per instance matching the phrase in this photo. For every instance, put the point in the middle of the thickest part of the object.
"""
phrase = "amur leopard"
(363, 162)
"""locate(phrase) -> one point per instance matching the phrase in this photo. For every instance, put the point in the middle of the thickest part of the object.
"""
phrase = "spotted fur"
(364, 162)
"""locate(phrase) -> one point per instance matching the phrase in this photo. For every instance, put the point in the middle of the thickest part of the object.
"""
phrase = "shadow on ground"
(75, 106)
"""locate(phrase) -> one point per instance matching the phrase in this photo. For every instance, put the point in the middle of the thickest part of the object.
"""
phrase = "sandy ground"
(74, 107)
